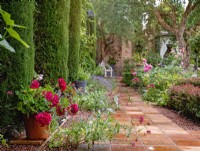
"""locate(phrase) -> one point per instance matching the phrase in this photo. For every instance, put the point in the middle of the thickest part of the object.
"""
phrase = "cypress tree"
(17, 69)
(91, 25)
(74, 38)
(51, 39)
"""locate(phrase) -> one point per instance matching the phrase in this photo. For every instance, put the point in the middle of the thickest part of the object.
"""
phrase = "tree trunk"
(185, 52)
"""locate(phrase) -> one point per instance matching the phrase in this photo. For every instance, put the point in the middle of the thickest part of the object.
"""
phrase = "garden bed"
(179, 119)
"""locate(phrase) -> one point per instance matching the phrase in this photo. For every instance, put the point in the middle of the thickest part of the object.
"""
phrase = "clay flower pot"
(34, 131)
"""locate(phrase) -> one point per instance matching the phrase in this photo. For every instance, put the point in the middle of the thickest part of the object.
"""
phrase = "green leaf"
(6, 18)
(15, 35)
(6, 45)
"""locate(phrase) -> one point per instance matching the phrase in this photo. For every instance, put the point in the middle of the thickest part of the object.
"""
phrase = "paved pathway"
(165, 135)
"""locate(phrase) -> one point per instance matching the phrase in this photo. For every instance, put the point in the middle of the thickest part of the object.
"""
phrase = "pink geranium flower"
(74, 109)
(62, 84)
(35, 84)
(43, 118)
(48, 95)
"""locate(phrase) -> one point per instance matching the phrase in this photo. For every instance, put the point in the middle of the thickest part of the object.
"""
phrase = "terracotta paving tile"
(125, 123)
(187, 142)
(181, 137)
(165, 135)
(170, 126)
(158, 142)
(126, 148)
(134, 113)
(189, 148)
(130, 108)
(197, 136)
(162, 148)
(97, 147)
(175, 132)
(152, 136)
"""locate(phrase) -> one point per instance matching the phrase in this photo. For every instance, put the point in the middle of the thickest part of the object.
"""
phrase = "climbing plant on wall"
(74, 38)
(16, 68)
(51, 37)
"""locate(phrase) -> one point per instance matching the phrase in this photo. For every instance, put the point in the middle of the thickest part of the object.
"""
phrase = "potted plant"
(39, 104)
(82, 78)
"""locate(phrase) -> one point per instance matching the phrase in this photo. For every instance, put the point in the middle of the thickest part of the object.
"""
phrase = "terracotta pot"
(34, 131)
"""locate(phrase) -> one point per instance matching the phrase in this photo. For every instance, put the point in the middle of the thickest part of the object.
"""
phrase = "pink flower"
(55, 100)
(62, 84)
(134, 73)
(144, 60)
(48, 95)
(60, 111)
(9, 92)
(35, 84)
(151, 86)
(136, 80)
(141, 119)
(43, 118)
(74, 108)
(147, 67)
(148, 132)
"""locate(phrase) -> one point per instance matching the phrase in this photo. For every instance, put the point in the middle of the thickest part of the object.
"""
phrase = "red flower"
(48, 95)
(35, 84)
(60, 111)
(148, 132)
(141, 120)
(74, 108)
(9, 92)
(55, 100)
(43, 118)
(62, 84)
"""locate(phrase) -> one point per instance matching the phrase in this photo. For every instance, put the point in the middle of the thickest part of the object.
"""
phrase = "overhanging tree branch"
(162, 22)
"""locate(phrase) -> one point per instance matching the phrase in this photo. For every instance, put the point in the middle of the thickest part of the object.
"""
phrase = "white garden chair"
(107, 69)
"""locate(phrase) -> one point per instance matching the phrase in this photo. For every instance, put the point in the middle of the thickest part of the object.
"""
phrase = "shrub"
(193, 81)
(153, 58)
(185, 98)
(157, 96)
(127, 78)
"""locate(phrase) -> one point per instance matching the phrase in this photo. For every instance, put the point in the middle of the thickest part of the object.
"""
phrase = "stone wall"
(119, 50)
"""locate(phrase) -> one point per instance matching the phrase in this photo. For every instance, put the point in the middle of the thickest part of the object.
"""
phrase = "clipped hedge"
(16, 68)
(193, 81)
(51, 38)
(185, 98)
(74, 39)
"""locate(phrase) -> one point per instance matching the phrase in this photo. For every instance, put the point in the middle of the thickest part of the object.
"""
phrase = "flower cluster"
(147, 67)
(42, 101)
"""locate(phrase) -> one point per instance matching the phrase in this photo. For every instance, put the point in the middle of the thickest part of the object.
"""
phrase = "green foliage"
(185, 98)
(99, 128)
(117, 16)
(74, 39)
(3, 141)
(86, 49)
(153, 58)
(171, 59)
(127, 78)
(193, 81)
(51, 38)
(156, 96)
(10, 24)
(82, 75)
(95, 101)
(98, 71)
(16, 69)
